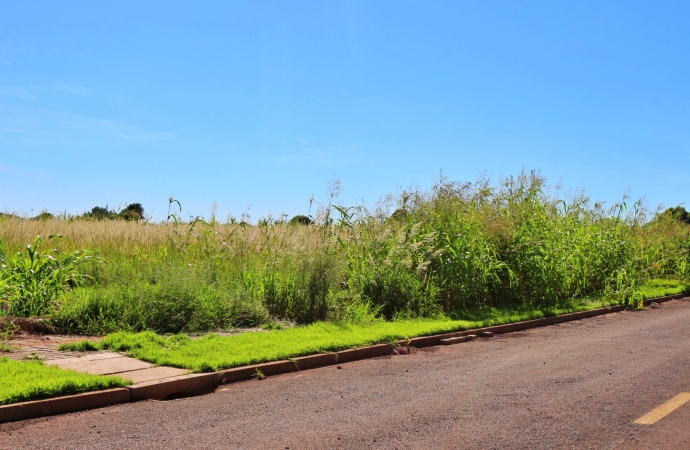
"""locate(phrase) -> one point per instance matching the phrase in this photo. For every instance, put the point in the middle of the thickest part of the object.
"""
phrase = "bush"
(301, 220)
(679, 213)
(396, 293)
(302, 294)
(133, 211)
(176, 302)
(43, 215)
(99, 213)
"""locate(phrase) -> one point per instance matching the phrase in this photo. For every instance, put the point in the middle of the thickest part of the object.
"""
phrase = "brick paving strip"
(152, 382)
(43, 347)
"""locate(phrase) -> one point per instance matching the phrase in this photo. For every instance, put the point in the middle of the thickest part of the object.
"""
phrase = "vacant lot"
(459, 251)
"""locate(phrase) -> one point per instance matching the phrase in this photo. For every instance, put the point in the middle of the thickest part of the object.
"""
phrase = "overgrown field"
(449, 252)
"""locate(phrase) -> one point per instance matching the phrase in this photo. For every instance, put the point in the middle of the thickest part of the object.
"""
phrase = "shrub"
(133, 211)
(679, 213)
(301, 220)
(301, 294)
(43, 215)
(175, 302)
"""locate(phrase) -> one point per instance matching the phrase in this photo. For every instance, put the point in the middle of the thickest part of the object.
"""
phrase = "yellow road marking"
(664, 410)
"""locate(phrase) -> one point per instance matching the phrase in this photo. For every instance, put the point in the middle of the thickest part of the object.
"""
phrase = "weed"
(33, 356)
(32, 282)
(7, 330)
(6, 347)
(273, 326)
(81, 346)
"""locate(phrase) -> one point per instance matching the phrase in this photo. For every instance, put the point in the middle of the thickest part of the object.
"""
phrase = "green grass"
(213, 352)
(660, 287)
(22, 381)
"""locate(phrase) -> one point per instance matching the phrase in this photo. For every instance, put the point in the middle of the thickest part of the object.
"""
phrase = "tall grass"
(454, 248)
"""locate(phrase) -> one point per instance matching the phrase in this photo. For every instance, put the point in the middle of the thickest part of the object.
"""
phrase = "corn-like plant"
(32, 281)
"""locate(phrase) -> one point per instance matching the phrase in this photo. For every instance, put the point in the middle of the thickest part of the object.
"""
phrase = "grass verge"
(213, 352)
(22, 381)
(659, 287)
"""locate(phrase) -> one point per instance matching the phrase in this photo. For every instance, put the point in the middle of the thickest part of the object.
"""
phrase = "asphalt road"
(577, 385)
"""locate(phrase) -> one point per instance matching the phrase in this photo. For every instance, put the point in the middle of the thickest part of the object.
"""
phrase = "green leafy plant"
(7, 330)
(32, 281)
(6, 347)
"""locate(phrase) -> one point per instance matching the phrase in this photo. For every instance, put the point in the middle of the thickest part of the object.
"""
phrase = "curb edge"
(62, 405)
(207, 382)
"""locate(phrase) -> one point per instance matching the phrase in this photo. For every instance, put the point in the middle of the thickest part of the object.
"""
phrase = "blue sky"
(262, 103)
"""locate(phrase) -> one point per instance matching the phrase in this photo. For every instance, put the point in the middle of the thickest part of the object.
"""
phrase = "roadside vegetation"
(22, 381)
(456, 250)
(213, 352)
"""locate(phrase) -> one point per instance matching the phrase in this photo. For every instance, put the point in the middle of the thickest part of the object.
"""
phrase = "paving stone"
(88, 357)
(151, 374)
(108, 366)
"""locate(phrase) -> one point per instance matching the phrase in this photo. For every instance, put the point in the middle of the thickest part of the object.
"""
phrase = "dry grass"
(127, 237)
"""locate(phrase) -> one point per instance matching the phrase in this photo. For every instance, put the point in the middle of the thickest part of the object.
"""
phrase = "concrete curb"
(188, 385)
(63, 405)
(426, 341)
(206, 382)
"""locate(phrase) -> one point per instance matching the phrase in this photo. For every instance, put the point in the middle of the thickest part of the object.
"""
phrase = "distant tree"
(301, 220)
(99, 213)
(679, 213)
(133, 211)
(43, 215)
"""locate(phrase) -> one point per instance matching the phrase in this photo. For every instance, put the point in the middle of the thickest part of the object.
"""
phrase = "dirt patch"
(38, 346)
(34, 325)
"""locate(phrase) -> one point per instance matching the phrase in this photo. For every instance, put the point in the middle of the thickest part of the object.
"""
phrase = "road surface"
(576, 385)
